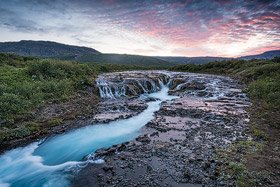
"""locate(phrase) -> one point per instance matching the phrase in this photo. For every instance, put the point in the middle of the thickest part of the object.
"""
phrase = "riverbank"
(263, 88)
(180, 146)
(41, 98)
(235, 163)
(56, 159)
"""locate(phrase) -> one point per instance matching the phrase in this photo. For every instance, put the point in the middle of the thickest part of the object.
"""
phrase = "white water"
(54, 161)
(114, 91)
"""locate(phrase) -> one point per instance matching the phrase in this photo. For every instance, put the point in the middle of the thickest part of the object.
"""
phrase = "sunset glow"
(158, 28)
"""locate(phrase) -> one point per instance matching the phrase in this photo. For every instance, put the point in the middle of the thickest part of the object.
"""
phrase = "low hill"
(43, 48)
(203, 60)
(191, 60)
(53, 50)
(265, 55)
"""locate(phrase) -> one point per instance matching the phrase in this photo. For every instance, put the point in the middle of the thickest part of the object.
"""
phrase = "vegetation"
(115, 59)
(27, 83)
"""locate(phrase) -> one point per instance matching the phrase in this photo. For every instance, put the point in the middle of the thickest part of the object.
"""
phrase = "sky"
(228, 28)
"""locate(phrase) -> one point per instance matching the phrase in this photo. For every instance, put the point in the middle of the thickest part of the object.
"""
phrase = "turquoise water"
(56, 160)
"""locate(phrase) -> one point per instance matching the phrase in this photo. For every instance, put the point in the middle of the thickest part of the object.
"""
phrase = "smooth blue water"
(54, 161)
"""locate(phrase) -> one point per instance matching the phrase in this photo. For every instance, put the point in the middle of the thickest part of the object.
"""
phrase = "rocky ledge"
(179, 147)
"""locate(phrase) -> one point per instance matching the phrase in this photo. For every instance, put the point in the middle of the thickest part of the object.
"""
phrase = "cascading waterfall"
(54, 161)
(114, 90)
(141, 86)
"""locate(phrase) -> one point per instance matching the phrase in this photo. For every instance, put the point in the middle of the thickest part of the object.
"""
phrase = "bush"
(12, 104)
(26, 89)
(18, 132)
(32, 126)
(83, 83)
(45, 70)
(268, 90)
(48, 69)
(54, 123)
(2, 89)
(260, 135)
(56, 89)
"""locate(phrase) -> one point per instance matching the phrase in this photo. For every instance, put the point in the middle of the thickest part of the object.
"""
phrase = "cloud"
(185, 27)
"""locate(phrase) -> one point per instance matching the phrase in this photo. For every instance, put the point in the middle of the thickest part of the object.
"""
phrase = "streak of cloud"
(163, 27)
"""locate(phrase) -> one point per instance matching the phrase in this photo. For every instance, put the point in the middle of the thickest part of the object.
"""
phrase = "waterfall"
(115, 87)
(141, 85)
(54, 161)
(161, 83)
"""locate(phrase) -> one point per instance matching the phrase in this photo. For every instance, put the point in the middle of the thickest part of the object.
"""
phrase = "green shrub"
(18, 132)
(267, 89)
(12, 104)
(260, 135)
(49, 69)
(104, 69)
(32, 126)
(83, 83)
(240, 171)
(237, 168)
(45, 69)
(56, 89)
(26, 89)
(15, 60)
(53, 123)
(2, 89)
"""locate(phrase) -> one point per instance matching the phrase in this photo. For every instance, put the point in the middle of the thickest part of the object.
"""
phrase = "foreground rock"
(179, 146)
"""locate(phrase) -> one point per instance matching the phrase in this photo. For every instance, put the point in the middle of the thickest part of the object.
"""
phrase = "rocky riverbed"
(179, 147)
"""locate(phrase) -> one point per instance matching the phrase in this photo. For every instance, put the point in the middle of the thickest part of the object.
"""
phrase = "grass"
(241, 173)
(53, 123)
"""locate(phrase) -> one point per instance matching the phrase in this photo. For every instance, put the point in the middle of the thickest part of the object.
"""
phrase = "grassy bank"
(256, 162)
(28, 83)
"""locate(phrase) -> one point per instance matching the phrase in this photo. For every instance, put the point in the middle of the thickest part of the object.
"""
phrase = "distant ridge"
(265, 55)
(191, 60)
(203, 60)
(53, 50)
(43, 48)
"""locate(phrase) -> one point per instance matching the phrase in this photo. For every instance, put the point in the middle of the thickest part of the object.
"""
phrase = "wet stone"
(177, 147)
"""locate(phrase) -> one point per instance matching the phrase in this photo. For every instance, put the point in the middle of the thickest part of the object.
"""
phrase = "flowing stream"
(54, 161)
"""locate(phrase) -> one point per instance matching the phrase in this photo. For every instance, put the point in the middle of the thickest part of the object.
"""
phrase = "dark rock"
(155, 134)
(108, 168)
(150, 99)
(105, 151)
(143, 139)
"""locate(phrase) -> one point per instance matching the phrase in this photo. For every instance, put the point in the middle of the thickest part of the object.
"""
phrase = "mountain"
(265, 55)
(43, 48)
(191, 60)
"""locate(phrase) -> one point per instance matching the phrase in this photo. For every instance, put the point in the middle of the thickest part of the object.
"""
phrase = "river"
(52, 162)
